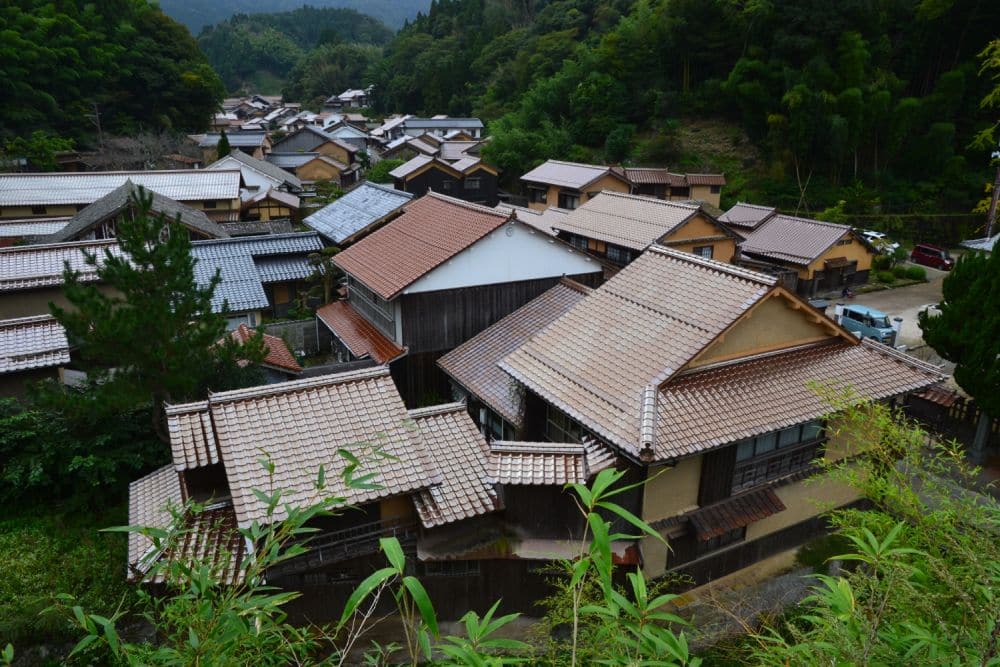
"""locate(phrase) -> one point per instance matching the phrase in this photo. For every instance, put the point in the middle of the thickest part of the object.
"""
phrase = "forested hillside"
(196, 14)
(257, 51)
(872, 102)
(141, 69)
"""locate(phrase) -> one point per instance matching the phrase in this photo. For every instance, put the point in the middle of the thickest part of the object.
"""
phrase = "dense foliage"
(885, 93)
(139, 67)
(196, 14)
(259, 50)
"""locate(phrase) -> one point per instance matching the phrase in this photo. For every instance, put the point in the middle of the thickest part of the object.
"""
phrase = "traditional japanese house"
(660, 183)
(467, 178)
(269, 205)
(440, 273)
(100, 220)
(31, 349)
(823, 257)
(700, 375)
(258, 175)
(253, 143)
(618, 227)
(278, 364)
(314, 140)
(569, 184)
(744, 218)
(312, 167)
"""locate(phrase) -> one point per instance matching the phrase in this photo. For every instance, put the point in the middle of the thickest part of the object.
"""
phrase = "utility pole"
(96, 118)
(991, 215)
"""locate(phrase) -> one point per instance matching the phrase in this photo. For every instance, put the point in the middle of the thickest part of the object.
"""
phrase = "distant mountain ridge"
(196, 14)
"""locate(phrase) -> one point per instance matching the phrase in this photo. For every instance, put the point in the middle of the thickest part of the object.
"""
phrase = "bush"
(881, 263)
(899, 271)
(916, 273)
(885, 277)
(44, 555)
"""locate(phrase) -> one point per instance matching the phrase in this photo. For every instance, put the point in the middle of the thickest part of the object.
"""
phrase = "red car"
(933, 256)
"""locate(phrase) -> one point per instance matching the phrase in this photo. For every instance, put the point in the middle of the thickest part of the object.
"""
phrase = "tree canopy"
(66, 66)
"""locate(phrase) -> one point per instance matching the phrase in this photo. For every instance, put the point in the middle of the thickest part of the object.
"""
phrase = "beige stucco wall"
(723, 250)
(672, 491)
(855, 251)
(604, 183)
(704, 193)
(702, 227)
(772, 324)
(339, 154)
(25, 303)
(803, 500)
(15, 212)
(317, 170)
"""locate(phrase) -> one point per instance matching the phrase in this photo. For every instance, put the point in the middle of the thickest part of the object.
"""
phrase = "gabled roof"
(596, 362)
(654, 176)
(709, 407)
(570, 174)
(285, 198)
(321, 138)
(457, 150)
(120, 199)
(87, 187)
(365, 205)
(27, 343)
(546, 220)
(246, 263)
(546, 463)
(418, 162)
(474, 363)
(278, 355)
(747, 217)
(300, 426)
(439, 123)
(431, 230)
(794, 240)
(33, 266)
(260, 166)
(359, 335)
(630, 221)
(236, 139)
(458, 449)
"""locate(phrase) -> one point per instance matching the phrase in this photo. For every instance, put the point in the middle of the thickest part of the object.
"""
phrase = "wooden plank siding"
(717, 475)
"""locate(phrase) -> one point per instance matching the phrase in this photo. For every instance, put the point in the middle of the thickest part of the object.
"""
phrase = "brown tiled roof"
(473, 364)
(654, 176)
(707, 408)
(27, 343)
(939, 394)
(301, 425)
(544, 221)
(630, 221)
(642, 326)
(747, 216)
(433, 229)
(460, 452)
(210, 536)
(729, 514)
(148, 498)
(192, 442)
(569, 174)
(795, 240)
(705, 179)
(360, 336)
(278, 354)
(546, 463)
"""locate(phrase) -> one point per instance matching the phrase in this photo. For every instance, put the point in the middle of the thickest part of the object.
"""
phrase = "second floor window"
(568, 201)
(704, 251)
(472, 183)
(38, 210)
(776, 454)
(537, 195)
(560, 427)
(619, 255)
(208, 203)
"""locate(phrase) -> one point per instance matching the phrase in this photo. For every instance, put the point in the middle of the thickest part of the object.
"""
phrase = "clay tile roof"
(711, 407)
(734, 513)
(630, 221)
(209, 536)
(747, 216)
(460, 452)
(546, 463)
(639, 328)
(705, 179)
(654, 176)
(278, 354)
(544, 221)
(192, 442)
(568, 174)
(432, 230)
(360, 336)
(795, 240)
(301, 425)
(27, 343)
(32, 266)
(473, 364)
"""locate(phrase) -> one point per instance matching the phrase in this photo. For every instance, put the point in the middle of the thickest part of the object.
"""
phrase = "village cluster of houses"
(495, 351)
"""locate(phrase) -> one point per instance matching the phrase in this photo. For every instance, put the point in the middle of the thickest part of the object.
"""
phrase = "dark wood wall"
(543, 511)
(435, 179)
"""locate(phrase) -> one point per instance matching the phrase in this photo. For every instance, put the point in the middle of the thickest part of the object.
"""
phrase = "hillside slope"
(196, 14)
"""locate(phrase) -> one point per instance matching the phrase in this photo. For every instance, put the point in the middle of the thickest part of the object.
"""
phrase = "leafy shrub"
(916, 273)
(881, 263)
(899, 271)
(817, 552)
(885, 277)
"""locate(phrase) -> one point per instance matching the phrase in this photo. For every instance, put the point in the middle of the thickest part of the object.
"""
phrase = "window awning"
(836, 262)
(734, 513)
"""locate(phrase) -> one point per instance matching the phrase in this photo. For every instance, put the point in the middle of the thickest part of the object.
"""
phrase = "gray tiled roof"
(119, 199)
(365, 205)
(241, 139)
(290, 160)
(630, 221)
(32, 342)
(32, 266)
(87, 187)
(270, 170)
(438, 123)
(30, 228)
(247, 263)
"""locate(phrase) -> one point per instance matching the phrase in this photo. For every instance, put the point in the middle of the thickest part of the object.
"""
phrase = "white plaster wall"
(512, 253)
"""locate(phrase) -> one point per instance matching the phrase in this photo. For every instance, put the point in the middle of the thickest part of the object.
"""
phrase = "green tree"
(966, 332)
(223, 149)
(380, 172)
(40, 149)
(149, 334)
